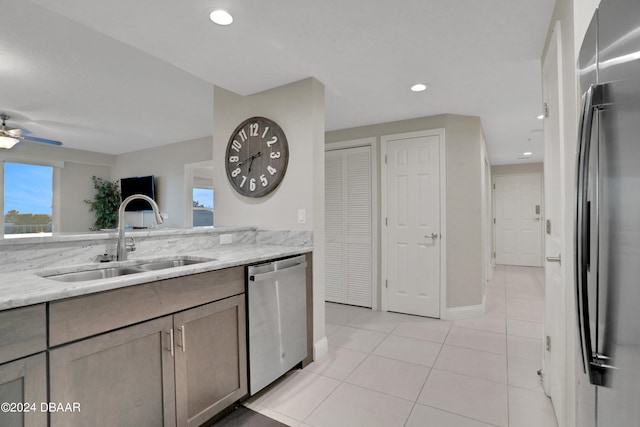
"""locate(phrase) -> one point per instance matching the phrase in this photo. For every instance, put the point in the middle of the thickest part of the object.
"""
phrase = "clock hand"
(255, 156)
(258, 154)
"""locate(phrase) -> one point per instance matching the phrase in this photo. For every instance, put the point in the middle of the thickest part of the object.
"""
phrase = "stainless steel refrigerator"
(608, 219)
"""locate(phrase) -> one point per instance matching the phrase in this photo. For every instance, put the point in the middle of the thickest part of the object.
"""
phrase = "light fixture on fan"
(8, 142)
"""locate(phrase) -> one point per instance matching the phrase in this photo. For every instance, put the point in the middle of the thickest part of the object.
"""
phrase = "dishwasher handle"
(271, 274)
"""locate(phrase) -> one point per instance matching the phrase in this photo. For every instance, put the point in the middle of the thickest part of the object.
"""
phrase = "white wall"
(299, 109)
(291, 106)
(166, 162)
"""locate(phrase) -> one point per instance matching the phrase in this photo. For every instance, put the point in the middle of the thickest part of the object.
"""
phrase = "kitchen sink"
(140, 267)
(103, 273)
(161, 265)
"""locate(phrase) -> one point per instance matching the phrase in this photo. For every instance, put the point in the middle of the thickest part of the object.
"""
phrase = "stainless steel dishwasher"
(277, 319)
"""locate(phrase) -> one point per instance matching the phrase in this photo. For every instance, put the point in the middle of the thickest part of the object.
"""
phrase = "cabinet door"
(24, 381)
(23, 331)
(211, 359)
(122, 378)
(348, 226)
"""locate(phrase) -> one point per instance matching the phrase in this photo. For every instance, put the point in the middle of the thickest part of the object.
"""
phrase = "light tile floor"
(388, 369)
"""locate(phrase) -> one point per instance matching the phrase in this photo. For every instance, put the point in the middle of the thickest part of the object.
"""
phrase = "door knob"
(431, 236)
(557, 259)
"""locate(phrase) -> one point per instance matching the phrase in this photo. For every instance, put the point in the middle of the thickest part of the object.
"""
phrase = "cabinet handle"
(171, 341)
(183, 343)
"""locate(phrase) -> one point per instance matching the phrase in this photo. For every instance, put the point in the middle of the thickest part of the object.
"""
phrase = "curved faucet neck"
(121, 248)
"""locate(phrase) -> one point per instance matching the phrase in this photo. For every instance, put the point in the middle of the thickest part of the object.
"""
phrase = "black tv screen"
(138, 185)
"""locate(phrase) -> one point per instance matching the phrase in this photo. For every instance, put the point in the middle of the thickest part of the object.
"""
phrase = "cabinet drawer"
(87, 315)
(23, 331)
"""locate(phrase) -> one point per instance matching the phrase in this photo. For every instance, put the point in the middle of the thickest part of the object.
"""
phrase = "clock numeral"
(272, 141)
(243, 135)
(275, 155)
(236, 172)
(272, 170)
(252, 184)
(253, 129)
(234, 159)
(263, 180)
(244, 179)
(236, 146)
(266, 129)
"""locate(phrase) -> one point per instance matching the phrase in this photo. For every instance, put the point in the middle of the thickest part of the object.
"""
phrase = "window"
(199, 194)
(202, 207)
(27, 201)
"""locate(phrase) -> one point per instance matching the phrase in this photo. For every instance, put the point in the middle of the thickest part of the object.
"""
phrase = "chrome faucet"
(122, 247)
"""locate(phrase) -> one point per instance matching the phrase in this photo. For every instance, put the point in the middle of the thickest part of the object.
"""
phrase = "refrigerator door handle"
(582, 224)
(593, 363)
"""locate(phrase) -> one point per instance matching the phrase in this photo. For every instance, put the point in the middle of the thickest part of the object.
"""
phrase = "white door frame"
(375, 229)
(189, 169)
(443, 211)
(559, 390)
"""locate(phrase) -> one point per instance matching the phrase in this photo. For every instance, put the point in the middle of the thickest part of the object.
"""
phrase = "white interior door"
(554, 190)
(412, 207)
(518, 215)
(348, 229)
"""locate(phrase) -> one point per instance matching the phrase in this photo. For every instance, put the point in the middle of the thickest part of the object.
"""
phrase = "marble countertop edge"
(23, 288)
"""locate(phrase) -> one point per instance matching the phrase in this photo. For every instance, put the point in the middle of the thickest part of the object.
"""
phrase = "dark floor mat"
(245, 417)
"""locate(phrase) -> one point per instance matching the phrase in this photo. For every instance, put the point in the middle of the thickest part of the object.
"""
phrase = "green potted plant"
(105, 203)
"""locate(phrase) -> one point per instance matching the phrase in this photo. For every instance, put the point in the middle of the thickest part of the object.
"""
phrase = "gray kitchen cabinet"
(23, 331)
(23, 385)
(165, 353)
(23, 366)
(211, 359)
(120, 378)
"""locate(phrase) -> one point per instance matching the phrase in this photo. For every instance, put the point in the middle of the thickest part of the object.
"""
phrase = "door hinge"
(386, 221)
(546, 110)
(494, 254)
(548, 343)
(494, 220)
(385, 159)
(494, 186)
(386, 283)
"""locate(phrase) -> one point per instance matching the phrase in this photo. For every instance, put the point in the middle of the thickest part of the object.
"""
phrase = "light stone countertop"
(22, 288)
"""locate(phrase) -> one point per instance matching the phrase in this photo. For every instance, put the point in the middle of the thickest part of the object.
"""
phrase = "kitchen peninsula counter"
(29, 260)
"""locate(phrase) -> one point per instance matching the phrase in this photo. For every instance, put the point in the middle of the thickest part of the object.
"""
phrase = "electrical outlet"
(226, 239)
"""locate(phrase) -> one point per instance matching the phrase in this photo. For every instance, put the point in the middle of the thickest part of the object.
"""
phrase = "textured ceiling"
(117, 75)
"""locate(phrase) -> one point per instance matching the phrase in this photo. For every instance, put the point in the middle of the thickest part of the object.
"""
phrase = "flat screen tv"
(138, 185)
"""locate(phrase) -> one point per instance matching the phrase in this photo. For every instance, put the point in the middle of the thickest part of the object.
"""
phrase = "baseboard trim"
(320, 349)
(466, 312)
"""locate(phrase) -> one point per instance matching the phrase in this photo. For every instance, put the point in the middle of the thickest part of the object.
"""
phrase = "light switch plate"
(226, 239)
(302, 216)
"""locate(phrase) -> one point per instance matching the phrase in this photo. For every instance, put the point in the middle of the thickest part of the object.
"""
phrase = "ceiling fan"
(11, 136)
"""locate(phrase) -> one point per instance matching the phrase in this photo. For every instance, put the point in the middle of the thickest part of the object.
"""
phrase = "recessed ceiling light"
(419, 87)
(541, 116)
(528, 153)
(221, 17)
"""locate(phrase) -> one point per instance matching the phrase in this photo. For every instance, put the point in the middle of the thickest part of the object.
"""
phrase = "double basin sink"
(140, 267)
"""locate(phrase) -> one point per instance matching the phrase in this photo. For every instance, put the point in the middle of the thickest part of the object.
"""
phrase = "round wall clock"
(257, 157)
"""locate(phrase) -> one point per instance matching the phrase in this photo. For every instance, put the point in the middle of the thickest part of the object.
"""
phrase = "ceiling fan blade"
(17, 133)
(41, 140)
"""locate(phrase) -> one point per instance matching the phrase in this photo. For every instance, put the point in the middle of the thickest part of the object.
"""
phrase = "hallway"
(389, 369)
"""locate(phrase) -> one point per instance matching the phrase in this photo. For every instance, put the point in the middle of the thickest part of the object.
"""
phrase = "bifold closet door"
(348, 226)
